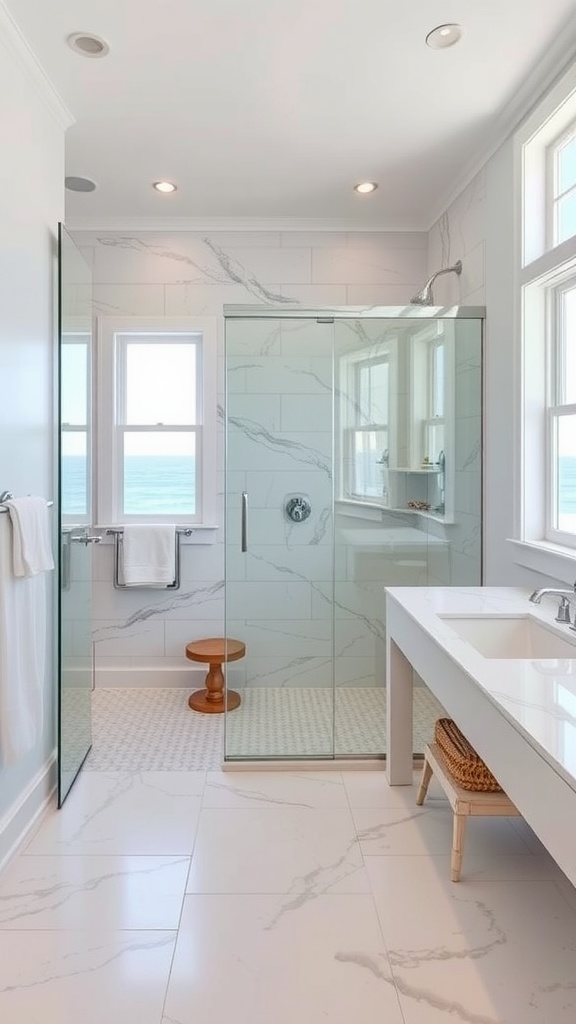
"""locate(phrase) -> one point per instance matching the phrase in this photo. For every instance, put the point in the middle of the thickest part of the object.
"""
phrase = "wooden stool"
(463, 802)
(214, 651)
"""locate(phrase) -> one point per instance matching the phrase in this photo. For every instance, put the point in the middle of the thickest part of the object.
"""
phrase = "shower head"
(424, 296)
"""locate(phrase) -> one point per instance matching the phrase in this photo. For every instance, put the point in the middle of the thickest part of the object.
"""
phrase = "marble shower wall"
(460, 234)
(140, 637)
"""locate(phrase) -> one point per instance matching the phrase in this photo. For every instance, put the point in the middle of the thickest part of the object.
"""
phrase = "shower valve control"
(298, 509)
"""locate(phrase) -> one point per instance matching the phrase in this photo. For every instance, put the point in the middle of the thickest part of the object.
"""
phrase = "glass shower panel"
(280, 561)
(408, 496)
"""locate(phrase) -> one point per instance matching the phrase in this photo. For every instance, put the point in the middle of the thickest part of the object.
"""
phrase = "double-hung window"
(155, 455)
(368, 434)
(545, 537)
(561, 415)
(561, 187)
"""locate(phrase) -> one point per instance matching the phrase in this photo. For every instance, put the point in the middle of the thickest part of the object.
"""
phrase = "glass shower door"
(280, 537)
(76, 666)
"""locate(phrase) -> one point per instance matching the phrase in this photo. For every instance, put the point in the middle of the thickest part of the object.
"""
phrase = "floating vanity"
(505, 671)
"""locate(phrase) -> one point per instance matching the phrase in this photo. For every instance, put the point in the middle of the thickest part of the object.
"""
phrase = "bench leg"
(424, 782)
(458, 836)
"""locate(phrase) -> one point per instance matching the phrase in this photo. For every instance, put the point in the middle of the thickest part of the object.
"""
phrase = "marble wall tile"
(129, 300)
(293, 670)
(362, 266)
(313, 239)
(284, 638)
(383, 294)
(284, 374)
(269, 600)
(143, 638)
(296, 562)
(306, 412)
(387, 240)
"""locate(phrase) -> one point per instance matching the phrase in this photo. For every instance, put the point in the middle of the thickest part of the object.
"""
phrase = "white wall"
(31, 203)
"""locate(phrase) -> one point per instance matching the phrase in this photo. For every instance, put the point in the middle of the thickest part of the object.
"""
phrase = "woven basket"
(462, 761)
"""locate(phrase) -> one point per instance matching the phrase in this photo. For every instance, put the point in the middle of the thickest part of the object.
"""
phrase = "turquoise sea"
(153, 485)
(166, 485)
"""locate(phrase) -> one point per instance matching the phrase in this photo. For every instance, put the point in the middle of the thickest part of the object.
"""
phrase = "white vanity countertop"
(538, 696)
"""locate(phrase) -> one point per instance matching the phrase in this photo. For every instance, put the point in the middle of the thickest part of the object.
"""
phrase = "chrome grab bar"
(244, 521)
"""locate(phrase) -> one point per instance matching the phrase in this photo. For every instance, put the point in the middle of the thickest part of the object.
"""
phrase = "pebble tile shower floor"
(154, 729)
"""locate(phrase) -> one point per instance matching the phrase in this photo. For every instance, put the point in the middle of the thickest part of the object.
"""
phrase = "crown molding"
(17, 45)
(539, 80)
(231, 224)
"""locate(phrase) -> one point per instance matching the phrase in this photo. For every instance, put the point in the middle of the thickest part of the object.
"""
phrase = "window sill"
(546, 558)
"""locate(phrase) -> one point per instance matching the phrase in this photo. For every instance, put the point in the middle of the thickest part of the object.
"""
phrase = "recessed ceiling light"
(88, 45)
(443, 36)
(79, 184)
(365, 187)
(164, 186)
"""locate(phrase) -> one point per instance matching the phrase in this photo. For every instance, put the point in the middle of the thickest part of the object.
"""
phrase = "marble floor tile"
(427, 830)
(274, 789)
(95, 978)
(371, 789)
(93, 892)
(124, 813)
(323, 961)
(484, 952)
(277, 850)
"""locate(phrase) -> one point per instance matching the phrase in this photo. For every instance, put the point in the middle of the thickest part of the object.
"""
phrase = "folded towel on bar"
(31, 547)
(149, 555)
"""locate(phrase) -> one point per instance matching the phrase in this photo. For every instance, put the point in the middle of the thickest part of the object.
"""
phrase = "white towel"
(23, 655)
(31, 548)
(149, 555)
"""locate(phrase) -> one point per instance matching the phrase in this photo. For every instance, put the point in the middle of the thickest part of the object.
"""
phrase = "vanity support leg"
(399, 755)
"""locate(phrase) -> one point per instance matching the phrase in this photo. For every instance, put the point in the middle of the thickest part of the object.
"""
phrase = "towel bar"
(7, 495)
(117, 532)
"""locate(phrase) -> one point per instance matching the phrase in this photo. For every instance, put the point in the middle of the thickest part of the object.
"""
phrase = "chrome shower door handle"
(244, 528)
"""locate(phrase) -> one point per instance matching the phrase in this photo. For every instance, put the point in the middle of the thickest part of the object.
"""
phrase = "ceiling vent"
(88, 45)
(79, 184)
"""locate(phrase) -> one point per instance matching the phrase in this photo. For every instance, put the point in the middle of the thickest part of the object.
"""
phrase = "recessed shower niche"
(373, 418)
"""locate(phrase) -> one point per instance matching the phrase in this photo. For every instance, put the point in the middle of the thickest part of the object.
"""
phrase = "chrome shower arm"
(425, 297)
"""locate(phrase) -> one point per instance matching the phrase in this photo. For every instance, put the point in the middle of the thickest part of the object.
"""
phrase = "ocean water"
(153, 485)
(166, 486)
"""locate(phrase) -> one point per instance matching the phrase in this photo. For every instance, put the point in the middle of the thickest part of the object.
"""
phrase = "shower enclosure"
(353, 462)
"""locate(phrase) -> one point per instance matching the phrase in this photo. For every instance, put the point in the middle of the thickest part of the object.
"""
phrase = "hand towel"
(23, 655)
(31, 547)
(149, 555)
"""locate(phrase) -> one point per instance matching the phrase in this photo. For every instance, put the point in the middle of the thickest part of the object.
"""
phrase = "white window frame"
(71, 336)
(108, 430)
(352, 422)
(541, 268)
(552, 195)
(555, 407)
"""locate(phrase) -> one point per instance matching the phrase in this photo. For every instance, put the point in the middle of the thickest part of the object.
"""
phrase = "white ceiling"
(270, 110)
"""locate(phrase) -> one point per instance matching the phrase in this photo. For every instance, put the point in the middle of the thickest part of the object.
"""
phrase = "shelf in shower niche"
(419, 469)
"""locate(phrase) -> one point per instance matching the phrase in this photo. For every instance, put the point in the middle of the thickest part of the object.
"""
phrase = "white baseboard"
(187, 678)
(20, 819)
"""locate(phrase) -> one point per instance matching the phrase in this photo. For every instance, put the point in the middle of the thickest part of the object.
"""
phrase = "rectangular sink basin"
(519, 636)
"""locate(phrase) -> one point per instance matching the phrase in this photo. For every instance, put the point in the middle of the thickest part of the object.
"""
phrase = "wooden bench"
(464, 802)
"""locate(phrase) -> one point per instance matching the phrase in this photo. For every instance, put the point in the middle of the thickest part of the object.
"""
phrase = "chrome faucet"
(563, 613)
